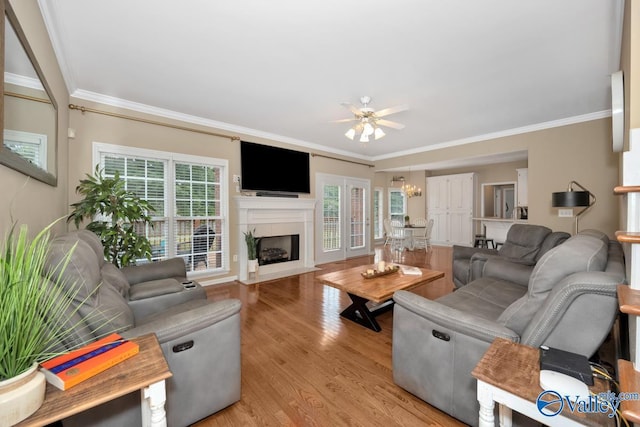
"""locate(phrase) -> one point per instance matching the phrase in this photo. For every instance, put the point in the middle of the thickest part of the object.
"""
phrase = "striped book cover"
(68, 369)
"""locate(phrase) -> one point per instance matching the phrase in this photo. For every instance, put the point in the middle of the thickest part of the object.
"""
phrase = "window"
(189, 196)
(331, 218)
(378, 231)
(397, 205)
(30, 146)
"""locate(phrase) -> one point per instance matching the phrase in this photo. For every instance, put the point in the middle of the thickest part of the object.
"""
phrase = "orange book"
(71, 368)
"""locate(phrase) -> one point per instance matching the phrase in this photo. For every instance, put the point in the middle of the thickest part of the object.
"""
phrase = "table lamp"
(574, 199)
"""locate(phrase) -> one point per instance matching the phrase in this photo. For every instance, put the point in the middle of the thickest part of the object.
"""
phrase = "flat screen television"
(267, 169)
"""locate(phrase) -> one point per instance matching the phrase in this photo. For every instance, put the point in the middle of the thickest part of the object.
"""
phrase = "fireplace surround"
(273, 217)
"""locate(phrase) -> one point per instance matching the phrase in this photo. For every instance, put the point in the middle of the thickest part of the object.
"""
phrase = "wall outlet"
(236, 178)
(235, 258)
(565, 213)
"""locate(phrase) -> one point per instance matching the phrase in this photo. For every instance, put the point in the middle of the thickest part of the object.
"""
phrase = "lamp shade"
(570, 199)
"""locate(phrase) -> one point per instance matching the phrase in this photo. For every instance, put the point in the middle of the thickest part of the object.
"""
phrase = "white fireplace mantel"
(273, 216)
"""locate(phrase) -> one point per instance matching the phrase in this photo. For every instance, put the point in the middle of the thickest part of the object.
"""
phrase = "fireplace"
(273, 218)
(273, 249)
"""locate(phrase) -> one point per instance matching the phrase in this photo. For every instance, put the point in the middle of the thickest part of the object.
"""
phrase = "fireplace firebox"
(274, 249)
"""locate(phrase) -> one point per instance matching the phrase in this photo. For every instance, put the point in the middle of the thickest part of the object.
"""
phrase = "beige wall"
(92, 127)
(28, 201)
(580, 152)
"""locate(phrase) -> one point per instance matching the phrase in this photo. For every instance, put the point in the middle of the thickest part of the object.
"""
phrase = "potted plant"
(29, 326)
(252, 245)
(114, 212)
(406, 220)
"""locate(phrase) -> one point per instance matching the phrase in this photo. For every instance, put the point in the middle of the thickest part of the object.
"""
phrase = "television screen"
(273, 169)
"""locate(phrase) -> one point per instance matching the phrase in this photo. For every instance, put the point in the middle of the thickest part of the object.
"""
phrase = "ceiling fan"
(368, 120)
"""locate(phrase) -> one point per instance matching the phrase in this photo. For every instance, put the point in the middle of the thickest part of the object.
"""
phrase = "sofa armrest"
(453, 319)
(466, 252)
(185, 318)
(568, 319)
(515, 271)
(174, 267)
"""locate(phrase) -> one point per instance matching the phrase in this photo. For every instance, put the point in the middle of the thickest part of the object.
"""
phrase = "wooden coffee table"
(378, 290)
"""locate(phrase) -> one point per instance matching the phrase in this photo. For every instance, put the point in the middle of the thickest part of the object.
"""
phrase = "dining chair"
(398, 235)
(386, 223)
(422, 236)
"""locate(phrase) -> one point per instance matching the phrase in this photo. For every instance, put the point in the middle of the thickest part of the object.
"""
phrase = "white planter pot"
(252, 265)
(21, 396)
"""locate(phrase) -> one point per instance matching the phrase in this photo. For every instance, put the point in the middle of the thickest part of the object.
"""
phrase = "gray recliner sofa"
(569, 302)
(152, 298)
(524, 245)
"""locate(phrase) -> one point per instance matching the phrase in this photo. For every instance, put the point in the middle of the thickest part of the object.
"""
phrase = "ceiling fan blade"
(344, 120)
(390, 124)
(352, 108)
(391, 110)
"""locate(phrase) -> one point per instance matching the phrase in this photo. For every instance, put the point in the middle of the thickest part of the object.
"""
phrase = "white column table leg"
(485, 398)
(153, 400)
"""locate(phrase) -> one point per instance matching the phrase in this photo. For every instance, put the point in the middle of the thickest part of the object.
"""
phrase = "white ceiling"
(279, 69)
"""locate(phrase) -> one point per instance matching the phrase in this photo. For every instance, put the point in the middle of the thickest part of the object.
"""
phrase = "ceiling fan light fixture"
(351, 133)
(368, 121)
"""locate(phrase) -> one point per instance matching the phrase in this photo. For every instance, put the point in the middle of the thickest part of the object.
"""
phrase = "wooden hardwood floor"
(304, 365)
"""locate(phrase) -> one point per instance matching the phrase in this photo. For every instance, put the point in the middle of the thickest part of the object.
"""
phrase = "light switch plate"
(565, 212)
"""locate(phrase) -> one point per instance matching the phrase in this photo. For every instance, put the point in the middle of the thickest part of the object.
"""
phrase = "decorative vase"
(21, 396)
(252, 265)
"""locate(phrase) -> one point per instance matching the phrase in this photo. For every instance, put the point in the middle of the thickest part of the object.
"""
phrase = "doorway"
(342, 218)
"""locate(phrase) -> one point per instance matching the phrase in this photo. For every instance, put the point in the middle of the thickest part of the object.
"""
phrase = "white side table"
(146, 371)
(508, 374)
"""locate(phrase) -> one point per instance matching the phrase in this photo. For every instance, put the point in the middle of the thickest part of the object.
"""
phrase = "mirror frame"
(7, 157)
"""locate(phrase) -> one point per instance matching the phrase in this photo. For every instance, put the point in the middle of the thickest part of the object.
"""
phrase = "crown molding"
(501, 134)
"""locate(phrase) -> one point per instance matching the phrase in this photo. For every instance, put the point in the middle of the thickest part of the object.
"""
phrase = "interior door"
(342, 221)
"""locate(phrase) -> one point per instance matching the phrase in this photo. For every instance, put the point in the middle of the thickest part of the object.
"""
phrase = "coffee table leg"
(359, 312)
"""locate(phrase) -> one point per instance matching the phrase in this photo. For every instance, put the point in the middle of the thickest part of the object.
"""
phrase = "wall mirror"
(30, 110)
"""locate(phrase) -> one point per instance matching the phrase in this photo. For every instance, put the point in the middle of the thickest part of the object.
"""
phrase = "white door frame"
(344, 251)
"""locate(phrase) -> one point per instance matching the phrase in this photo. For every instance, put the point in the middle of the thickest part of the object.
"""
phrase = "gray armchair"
(568, 303)
(200, 339)
(524, 246)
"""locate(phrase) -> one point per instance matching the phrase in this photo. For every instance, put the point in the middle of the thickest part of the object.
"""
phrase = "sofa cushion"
(101, 306)
(577, 254)
(154, 288)
(597, 234)
(524, 241)
(82, 274)
(551, 241)
(108, 313)
(94, 241)
(485, 297)
(112, 276)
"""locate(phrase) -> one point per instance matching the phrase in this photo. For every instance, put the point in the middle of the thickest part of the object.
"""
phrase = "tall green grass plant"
(30, 307)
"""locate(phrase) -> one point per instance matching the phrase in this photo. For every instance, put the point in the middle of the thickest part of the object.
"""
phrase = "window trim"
(171, 157)
(380, 218)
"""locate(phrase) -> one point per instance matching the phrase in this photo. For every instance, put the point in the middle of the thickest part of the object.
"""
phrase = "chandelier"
(408, 189)
(411, 190)
(365, 128)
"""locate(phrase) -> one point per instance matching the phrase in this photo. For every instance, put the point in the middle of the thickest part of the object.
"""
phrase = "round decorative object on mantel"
(21, 396)
(617, 110)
